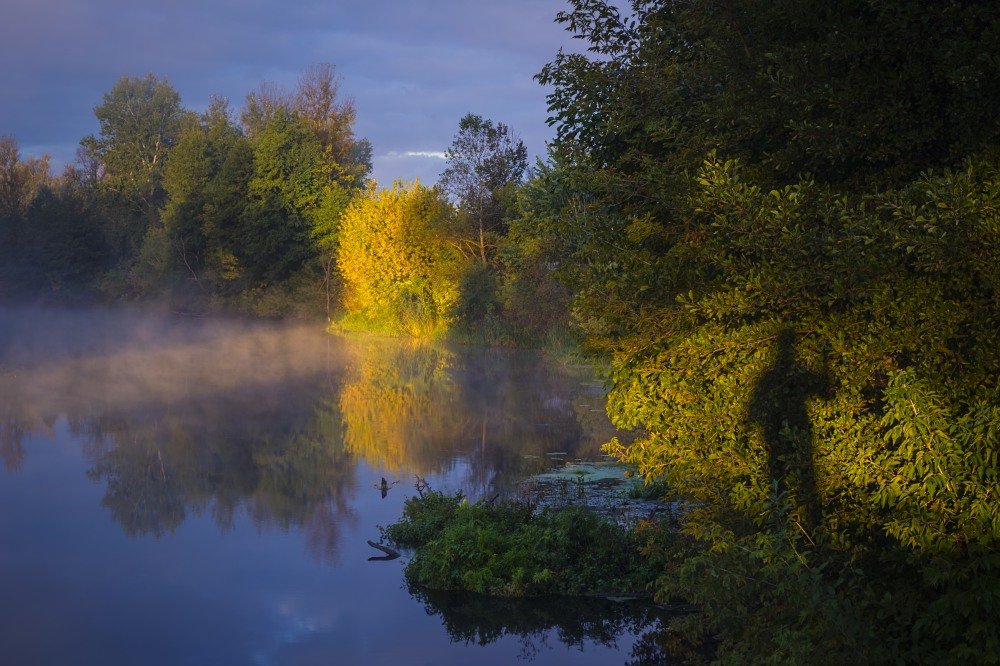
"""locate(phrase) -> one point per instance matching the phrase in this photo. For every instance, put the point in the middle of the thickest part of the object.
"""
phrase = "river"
(179, 490)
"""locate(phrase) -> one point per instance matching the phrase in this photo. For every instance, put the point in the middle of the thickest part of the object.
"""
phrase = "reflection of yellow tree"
(401, 407)
(414, 408)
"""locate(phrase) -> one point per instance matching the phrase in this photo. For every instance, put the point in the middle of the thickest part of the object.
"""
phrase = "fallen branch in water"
(390, 554)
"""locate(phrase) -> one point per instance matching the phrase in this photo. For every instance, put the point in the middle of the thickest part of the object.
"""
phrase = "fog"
(178, 414)
(60, 360)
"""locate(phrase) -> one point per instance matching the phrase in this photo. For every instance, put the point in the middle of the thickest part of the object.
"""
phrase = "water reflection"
(413, 409)
(219, 447)
(182, 417)
(574, 621)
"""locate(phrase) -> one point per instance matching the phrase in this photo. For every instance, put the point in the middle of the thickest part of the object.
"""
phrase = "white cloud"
(436, 154)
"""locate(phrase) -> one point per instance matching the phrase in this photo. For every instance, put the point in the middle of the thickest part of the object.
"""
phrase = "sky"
(413, 67)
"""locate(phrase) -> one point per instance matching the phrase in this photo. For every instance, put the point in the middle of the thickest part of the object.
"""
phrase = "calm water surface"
(179, 491)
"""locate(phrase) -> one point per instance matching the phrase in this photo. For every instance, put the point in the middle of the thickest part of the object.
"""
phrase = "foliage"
(285, 188)
(837, 91)
(813, 359)
(65, 231)
(399, 272)
(834, 387)
(20, 178)
(140, 119)
(195, 208)
(485, 161)
(535, 257)
(506, 549)
(206, 181)
(21, 181)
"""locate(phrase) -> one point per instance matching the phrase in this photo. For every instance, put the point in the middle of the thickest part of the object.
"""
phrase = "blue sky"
(413, 68)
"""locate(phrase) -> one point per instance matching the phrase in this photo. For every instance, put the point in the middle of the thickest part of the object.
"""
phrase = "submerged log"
(390, 554)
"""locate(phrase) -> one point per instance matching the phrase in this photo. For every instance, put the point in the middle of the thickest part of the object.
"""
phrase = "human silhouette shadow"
(778, 405)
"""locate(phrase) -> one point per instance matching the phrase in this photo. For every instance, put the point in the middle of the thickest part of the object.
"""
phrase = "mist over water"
(128, 358)
(136, 440)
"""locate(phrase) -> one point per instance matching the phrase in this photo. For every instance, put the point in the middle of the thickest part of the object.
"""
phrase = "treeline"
(272, 212)
(204, 210)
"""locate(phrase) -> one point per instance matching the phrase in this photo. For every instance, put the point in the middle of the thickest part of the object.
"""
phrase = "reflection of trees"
(183, 417)
(414, 408)
(470, 618)
(528, 408)
(308, 482)
(11, 448)
(399, 406)
(284, 466)
(143, 497)
(17, 421)
(223, 418)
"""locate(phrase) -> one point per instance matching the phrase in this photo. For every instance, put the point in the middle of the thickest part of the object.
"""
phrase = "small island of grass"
(507, 548)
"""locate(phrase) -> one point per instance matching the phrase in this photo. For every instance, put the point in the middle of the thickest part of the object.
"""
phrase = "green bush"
(506, 549)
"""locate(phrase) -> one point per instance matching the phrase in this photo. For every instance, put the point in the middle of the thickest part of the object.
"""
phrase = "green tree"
(68, 245)
(838, 91)
(486, 162)
(206, 181)
(286, 187)
(317, 103)
(308, 165)
(536, 255)
(140, 119)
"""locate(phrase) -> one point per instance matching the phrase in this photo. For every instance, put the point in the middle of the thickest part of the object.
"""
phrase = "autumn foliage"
(399, 273)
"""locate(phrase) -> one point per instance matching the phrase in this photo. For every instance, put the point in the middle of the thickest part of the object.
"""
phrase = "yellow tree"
(400, 273)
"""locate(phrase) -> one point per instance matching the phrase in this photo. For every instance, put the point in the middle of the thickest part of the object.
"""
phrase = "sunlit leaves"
(399, 271)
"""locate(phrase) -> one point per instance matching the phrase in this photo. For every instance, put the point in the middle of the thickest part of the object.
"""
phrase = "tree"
(261, 105)
(286, 187)
(485, 162)
(316, 102)
(399, 272)
(536, 255)
(64, 227)
(322, 165)
(837, 91)
(140, 119)
(20, 182)
(20, 179)
(206, 181)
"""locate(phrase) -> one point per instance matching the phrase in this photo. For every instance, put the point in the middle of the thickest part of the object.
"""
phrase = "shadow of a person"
(778, 405)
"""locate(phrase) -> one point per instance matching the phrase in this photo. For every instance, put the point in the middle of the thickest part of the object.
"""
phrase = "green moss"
(506, 549)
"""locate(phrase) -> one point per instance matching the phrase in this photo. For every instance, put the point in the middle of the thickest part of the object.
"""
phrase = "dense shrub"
(399, 273)
(507, 549)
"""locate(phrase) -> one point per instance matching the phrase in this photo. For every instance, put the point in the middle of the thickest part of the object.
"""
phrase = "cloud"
(436, 154)
(413, 69)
